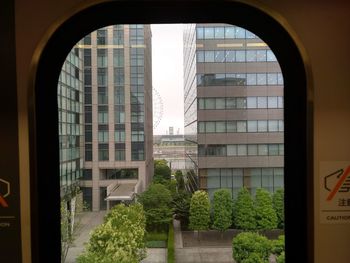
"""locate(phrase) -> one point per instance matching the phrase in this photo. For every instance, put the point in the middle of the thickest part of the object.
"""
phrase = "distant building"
(172, 149)
(233, 109)
(171, 130)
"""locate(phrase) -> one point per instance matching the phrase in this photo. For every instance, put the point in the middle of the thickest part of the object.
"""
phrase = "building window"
(102, 95)
(120, 151)
(137, 151)
(102, 60)
(103, 114)
(103, 195)
(119, 113)
(103, 152)
(87, 174)
(118, 57)
(88, 152)
(112, 174)
(103, 132)
(101, 35)
(102, 79)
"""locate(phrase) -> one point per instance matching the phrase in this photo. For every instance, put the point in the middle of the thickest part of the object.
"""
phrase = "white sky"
(167, 75)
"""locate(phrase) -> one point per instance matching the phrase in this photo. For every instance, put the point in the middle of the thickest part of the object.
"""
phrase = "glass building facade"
(233, 91)
(70, 115)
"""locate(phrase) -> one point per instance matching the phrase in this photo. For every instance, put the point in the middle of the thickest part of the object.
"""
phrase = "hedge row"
(250, 247)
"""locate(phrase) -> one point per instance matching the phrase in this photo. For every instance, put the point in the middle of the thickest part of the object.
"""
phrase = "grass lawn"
(156, 239)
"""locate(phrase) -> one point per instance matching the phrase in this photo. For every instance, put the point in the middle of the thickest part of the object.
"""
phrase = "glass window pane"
(251, 79)
(241, 126)
(252, 149)
(229, 32)
(241, 103)
(262, 126)
(201, 126)
(242, 150)
(209, 56)
(219, 32)
(270, 56)
(272, 79)
(273, 126)
(272, 102)
(220, 56)
(261, 79)
(279, 78)
(261, 55)
(251, 55)
(201, 103)
(231, 126)
(220, 126)
(230, 103)
(262, 149)
(250, 34)
(231, 150)
(280, 102)
(210, 103)
(251, 103)
(200, 33)
(252, 126)
(230, 56)
(220, 103)
(281, 126)
(200, 56)
(262, 102)
(210, 126)
(240, 56)
(240, 32)
(209, 33)
(273, 149)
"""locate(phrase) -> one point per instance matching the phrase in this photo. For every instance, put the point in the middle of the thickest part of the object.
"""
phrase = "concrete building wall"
(113, 45)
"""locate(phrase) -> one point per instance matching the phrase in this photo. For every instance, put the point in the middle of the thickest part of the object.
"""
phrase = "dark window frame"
(45, 201)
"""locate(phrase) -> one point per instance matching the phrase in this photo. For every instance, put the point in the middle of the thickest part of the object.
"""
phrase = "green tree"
(119, 239)
(157, 203)
(278, 205)
(180, 180)
(199, 211)
(244, 211)
(266, 217)
(181, 205)
(222, 209)
(162, 172)
(251, 247)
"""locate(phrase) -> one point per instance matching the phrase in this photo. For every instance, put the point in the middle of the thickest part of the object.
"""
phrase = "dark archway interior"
(45, 185)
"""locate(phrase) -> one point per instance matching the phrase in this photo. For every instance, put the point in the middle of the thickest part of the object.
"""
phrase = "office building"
(233, 94)
(117, 114)
(70, 116)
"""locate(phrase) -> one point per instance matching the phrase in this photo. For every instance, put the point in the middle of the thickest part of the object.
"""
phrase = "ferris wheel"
(157, 108)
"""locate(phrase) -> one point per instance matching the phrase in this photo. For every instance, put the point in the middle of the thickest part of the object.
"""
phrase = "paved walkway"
(88, 221)
(155, 255)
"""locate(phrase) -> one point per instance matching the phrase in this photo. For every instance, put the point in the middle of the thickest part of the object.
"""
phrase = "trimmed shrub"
(222, 209)
(281, 258)
(278, 245)
(171, 245)
(253, 258)
(278, 205)
(156, 201)
(266, 217)
(121, 238)
(181, 205)
(244, 211)
(199, 211)
(249, 246)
